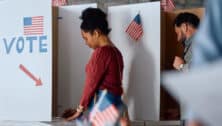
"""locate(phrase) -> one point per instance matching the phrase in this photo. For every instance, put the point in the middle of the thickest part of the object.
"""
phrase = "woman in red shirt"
(105, 68)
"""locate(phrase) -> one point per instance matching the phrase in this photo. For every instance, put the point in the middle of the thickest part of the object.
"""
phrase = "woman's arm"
(94, 74)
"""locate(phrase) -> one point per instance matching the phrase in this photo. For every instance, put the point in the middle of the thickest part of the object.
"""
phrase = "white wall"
(142, 59)
(73, 55)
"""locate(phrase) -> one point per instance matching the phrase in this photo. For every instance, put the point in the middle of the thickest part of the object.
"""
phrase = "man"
(185, 26)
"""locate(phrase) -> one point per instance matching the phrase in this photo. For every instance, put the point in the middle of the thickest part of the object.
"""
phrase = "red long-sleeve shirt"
(103, 71)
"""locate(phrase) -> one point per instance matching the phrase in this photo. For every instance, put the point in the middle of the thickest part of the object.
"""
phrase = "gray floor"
(63, 123)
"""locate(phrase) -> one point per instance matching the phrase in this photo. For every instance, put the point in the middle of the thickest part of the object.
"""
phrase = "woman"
(105, 67)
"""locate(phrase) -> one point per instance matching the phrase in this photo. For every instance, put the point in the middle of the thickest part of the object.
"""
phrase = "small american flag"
(33, 25)
(135, 29)
(59, 2)
(167, 5)
(104, 113)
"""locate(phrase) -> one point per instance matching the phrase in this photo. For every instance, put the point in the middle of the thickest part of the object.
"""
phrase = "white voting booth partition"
(73, 55)
(141, 59)
(26, 60)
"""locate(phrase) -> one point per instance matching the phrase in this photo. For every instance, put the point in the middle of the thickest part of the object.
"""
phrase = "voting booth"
(141, 79)
(73, 54)
(26, 60)
(43, 58)
(30, 57)
(170, 47)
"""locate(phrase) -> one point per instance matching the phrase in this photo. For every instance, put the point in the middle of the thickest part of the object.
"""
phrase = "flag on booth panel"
(135, 29)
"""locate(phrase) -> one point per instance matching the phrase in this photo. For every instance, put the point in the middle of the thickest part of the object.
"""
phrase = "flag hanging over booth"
(167, 5)
(59, 2)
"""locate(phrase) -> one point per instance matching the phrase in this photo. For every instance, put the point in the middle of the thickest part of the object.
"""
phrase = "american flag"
(59, 2)
(104, 113)
(33, 25)
(135, 29)
(167, 5)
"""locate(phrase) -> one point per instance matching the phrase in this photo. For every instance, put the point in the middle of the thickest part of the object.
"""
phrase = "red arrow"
(37, 81)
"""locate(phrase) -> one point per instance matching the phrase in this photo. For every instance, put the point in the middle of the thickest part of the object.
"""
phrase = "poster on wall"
(26, 60)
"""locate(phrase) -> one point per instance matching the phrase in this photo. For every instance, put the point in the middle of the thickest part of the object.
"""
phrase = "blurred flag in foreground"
(104, 112)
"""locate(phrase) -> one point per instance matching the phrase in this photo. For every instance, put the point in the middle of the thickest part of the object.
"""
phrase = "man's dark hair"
(94, 18)
(186, 17)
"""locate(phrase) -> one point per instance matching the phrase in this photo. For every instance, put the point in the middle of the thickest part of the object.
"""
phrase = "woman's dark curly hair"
(93, 19)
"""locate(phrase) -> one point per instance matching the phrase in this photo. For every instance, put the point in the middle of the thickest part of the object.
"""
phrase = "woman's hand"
(68, 113)
(74, 116)
(71, 114)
